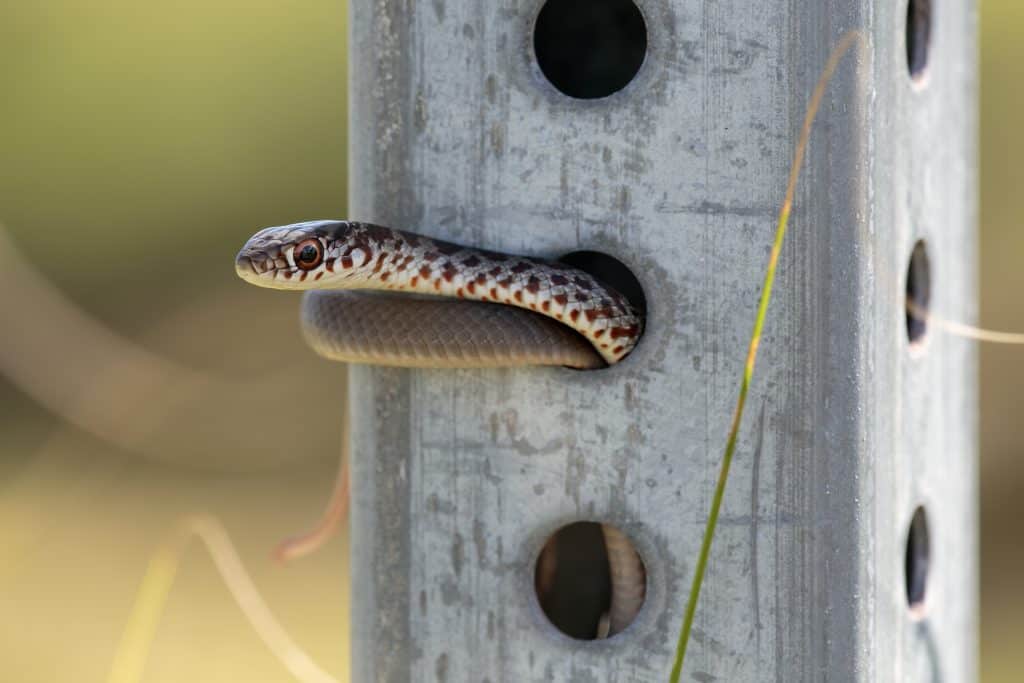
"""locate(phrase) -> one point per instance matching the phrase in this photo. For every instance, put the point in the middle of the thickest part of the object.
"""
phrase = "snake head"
(296, 256)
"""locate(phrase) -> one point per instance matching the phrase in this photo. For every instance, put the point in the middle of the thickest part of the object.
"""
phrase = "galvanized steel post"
(459, 131)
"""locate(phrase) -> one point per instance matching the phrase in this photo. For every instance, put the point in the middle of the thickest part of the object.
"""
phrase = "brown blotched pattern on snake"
(349, 255)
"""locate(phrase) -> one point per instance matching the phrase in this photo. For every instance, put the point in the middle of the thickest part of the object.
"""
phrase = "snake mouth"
(247, 269)
(266, 271)
(255, 269)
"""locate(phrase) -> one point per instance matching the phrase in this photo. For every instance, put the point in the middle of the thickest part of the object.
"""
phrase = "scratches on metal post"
(755, 481)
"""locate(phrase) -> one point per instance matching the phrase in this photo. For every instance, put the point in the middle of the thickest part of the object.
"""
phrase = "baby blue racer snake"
(547, 313)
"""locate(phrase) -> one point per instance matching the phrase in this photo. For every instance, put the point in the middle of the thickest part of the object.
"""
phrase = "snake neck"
(375, 257)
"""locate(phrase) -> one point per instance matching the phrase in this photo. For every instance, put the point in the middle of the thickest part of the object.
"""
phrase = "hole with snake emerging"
(615, 274)
(589, 49)
(573, 580)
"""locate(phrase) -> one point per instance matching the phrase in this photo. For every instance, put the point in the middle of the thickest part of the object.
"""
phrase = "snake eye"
(309, 254)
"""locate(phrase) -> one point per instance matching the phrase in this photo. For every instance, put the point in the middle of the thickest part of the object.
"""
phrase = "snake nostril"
(246, 265)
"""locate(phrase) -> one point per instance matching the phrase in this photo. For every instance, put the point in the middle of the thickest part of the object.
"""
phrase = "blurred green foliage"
(140, 145)
(142, 142)
(1002, 367)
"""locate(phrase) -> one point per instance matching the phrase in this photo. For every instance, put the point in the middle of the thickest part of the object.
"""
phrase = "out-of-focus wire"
(139, 401)
(136, 642)
(337, 507)
(963, 330)
(116, 390)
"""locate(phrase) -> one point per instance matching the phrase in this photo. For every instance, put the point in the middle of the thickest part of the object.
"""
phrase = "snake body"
(424, 333)
(551, 314)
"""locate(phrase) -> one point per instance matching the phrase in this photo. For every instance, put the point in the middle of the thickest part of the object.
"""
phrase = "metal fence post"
(460, 476)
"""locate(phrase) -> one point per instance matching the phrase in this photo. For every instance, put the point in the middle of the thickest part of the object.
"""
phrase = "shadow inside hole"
(611, 272)
(590, 48)
(916, 561)
(590, 580)
(572, 580)
(918, 293)
(918, 36)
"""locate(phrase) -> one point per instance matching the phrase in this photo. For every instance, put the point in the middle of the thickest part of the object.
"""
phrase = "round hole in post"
(590, 48)
(918, 37)
(918, 294)
(916, 562)
(590, 580)
(612, 272)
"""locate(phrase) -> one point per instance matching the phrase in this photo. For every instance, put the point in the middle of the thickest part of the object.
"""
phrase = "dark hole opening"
(919, 30)
(574, 581)
(917, 560)
(918, 293)
(613, 273)
(590, 48)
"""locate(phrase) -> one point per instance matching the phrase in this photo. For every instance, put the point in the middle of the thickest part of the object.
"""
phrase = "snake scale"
(550, 313)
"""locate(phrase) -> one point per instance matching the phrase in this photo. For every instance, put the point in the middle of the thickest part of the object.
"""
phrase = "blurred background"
(142, 143)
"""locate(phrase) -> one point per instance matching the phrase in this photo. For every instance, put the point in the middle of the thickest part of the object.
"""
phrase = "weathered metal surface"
(459, 476)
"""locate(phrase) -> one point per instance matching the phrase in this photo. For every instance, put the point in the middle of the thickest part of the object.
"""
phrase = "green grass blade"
(844, 45)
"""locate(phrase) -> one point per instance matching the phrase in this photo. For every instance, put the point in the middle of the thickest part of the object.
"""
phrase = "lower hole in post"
(918, 294)
(590, 580)
(916, 562)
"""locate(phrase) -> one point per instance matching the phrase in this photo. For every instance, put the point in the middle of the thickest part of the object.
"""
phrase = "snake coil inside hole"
(590, 580)
(613, 273)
